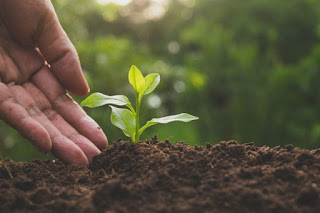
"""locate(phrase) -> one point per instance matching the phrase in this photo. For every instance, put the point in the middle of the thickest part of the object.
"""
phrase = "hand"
(38, 64)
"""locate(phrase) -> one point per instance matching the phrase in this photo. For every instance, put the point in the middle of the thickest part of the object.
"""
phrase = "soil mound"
(157, 176)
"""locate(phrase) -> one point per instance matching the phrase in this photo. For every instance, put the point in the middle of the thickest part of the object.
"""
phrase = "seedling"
(128, 120)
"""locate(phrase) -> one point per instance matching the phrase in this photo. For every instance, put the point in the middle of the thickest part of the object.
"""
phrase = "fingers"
(62, 147)
(34, 23)
(20, 63)
(16, 116)
(59, 52)
(7, 64)
(44, 105)
(62, 57)
(68, 109)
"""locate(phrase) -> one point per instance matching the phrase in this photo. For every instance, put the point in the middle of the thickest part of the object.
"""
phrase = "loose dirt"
(154, 176)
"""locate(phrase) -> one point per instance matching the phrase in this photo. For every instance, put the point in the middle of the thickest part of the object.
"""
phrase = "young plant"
(128, 120)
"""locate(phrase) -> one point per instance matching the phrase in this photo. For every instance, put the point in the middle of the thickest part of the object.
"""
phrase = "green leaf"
(99, 99)
(184, 117)
(151, 82)
(136, 79)
(125, 120)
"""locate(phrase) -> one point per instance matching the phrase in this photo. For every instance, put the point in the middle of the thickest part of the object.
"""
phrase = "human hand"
(38, 65)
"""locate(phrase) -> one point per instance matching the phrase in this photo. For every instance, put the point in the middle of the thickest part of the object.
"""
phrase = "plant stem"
(137, 136)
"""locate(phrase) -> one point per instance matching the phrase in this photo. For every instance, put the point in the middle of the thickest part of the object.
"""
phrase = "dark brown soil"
(154, 176)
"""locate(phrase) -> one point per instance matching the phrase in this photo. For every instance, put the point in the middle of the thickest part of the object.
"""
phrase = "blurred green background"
(249, 69)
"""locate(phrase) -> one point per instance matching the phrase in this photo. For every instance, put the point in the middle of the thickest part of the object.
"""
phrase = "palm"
(33, 96)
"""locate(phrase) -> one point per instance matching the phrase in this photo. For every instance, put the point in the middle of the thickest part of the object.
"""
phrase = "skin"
(38, 65)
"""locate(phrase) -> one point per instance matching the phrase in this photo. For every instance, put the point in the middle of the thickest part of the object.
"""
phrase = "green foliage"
(128, 119)
(99, 99)
(125, 120)
(184, 117)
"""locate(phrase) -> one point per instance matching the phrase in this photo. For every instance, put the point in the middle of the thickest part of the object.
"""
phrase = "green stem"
(136, 140)
(131, 109)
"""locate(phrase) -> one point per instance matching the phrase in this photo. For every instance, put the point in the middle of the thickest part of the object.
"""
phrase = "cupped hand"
(38, 65)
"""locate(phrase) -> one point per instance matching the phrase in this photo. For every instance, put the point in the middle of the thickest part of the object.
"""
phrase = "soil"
(157, 176)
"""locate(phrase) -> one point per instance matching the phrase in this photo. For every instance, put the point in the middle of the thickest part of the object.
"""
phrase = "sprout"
(128, 119)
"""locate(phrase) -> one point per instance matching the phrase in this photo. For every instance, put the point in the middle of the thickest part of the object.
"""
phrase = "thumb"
(34, 22)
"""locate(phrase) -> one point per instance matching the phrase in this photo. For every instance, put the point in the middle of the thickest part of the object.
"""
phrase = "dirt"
(154, 176)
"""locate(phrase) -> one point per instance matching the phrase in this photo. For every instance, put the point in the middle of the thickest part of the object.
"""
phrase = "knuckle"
(34, 111)
(51, 114)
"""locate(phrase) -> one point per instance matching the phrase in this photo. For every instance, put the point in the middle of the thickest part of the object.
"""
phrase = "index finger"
(61, 55)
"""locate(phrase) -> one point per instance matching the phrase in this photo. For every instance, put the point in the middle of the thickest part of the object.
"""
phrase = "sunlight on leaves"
(136, 79)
